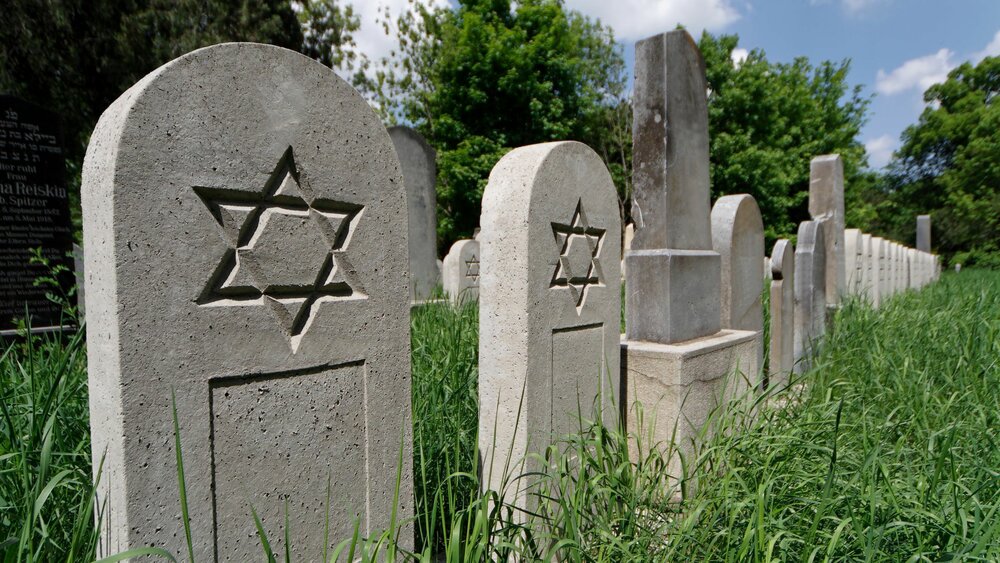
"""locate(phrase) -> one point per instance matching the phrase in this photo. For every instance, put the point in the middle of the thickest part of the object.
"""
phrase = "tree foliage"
(767, 120)
(76, 57)
(949, 166)
(489, 75)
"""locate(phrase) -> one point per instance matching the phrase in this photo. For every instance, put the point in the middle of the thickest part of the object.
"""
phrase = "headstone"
(417, 162)
(879, 248)
(782, 351)
(852, 260)
(34, 213)
(738, 237)
(78, 276)
(460, 272)
(958, 267)
(550, 304)
(912, 268)
(677, 363)
(866, 267)
(924, 233)
(244, 227)
(673, 273)
(826, 205)
(810, 291)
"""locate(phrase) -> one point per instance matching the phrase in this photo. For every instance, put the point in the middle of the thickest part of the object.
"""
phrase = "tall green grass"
(887, 450)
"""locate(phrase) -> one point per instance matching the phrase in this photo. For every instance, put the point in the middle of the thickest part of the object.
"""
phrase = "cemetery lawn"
(887, 450)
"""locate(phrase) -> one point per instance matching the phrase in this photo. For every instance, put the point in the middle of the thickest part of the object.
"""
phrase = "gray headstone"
(826, 205)
(865, 256)
(460, 271)
(924, 233)
(879, 248)
(417, 162)
(673, 275)
(810, 291)
(853, 264)
(550, 302)
(738, 237)
(782, 350)
(246, 249)
(34, 213)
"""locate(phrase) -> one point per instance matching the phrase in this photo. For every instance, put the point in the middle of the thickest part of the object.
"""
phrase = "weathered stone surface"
(879, 247)
(866, 266)
(810, 291)
(852, 261)
(417, 162)
(924, 233)
(244, 225)
(550, 304)
(826, 205)
(672, 284)
(738, 237)
(782, 351)
(460, 271)
(680, 385)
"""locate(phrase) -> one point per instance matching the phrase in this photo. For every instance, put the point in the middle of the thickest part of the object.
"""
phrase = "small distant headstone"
(958, 267)
(417, 162)
(782, 350)
(738, 237)
(460, 272)
(826, 205)
(853, 264)
(810, 291)
(550, 304)
(865, 256)
(246, 246)
(34, 213)
(924, 233)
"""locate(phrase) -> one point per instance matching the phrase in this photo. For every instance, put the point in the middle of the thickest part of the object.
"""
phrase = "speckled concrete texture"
(245, 231)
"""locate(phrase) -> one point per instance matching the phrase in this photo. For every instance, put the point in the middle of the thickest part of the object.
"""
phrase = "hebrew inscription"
(579, 244)
(260, 227)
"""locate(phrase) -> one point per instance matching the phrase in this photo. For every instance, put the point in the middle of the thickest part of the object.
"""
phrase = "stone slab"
(460, 271)
(550, 305)
(246, 249)
(417, 162)
(924, 233)
(782, 303)
(810, 292)
(826, 205)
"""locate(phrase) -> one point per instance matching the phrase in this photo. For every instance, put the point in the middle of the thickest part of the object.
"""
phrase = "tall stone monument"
(245, 239)
(34, 214)
(782, 350)
(550, 305)
(826, 205)
(417, 162)
(810, 291)
(460, 271)
(677, 361)
(924, 233)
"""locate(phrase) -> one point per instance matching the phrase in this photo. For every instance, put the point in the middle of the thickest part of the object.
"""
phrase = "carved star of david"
(578, 267)
(287, 249)
(472, 270)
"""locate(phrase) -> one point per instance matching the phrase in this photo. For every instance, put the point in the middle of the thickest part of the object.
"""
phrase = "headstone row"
(251, 237)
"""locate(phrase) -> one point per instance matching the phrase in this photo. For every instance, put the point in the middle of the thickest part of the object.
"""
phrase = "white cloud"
(636, 19)
(739, 55)
(880, 150)
(920, 73)
(991, 50)
(856, 6)
(371, 37)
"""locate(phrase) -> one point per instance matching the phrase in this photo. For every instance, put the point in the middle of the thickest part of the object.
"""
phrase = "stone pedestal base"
(679, 386)
(672, 295)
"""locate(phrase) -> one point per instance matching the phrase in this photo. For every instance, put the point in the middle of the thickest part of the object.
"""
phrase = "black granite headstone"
(34, 213)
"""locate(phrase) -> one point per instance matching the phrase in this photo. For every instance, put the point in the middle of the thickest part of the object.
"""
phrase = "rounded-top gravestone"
(246, 248)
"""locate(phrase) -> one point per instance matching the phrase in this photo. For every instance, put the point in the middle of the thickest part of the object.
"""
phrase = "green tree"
(949, 166)
(490, 75)
(76, 57)
(768, 120)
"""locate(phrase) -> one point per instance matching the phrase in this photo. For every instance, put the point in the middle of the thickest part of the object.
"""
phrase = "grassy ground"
(887, 452)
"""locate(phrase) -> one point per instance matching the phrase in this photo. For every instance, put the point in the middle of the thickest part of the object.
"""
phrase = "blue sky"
(896, 47)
